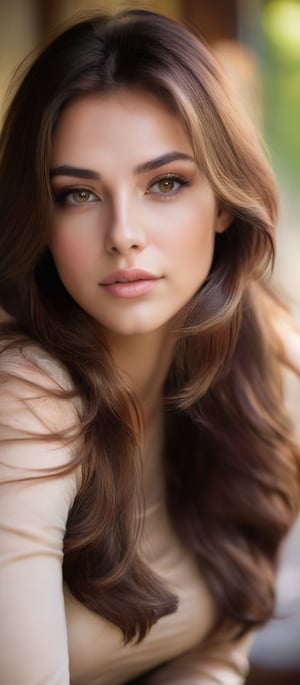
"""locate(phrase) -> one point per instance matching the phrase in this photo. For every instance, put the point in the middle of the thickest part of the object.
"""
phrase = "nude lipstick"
(129, 282)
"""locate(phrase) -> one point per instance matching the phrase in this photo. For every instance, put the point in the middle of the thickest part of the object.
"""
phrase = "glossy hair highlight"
(232, 468)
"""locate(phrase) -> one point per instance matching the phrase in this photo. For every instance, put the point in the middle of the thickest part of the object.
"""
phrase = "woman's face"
(135, 221)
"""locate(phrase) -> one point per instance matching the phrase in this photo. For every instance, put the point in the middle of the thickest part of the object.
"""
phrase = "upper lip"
(128, 275)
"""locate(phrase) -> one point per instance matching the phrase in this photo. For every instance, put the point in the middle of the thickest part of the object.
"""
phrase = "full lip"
(129, 276)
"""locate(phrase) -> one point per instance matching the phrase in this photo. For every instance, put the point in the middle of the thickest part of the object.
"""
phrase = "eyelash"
(169, 177)
(61, 196)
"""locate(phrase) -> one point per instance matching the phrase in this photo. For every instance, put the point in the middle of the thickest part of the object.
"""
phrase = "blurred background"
(258, 42)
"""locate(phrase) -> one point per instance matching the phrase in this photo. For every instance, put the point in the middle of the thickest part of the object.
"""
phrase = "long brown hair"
(232, 469)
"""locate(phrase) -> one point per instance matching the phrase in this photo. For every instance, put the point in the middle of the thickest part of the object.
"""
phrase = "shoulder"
(287, 328)
(283, 325)
(288, 331)
(24, 358)
(36, 409)
(29, 362)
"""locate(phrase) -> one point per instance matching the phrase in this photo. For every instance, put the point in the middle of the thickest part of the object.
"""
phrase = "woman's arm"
(33, 515)
(219, 661)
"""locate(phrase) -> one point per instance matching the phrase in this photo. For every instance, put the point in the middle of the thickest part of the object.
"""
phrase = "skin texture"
(126, 219)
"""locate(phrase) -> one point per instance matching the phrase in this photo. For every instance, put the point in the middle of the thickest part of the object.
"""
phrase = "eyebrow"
(66, 170)
(160, 161)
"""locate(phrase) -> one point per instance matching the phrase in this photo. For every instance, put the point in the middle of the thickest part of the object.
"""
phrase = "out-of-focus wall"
(67, 8)
(19, 33)
(71, 6)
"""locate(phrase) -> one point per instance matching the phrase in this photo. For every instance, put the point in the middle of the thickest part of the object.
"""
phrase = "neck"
(144, 360)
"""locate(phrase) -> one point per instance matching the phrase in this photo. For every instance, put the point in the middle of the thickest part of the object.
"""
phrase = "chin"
(138, 328)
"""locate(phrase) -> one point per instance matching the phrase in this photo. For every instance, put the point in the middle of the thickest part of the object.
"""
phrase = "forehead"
(131, 122)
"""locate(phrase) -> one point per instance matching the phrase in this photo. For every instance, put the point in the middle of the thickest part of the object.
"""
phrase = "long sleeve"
(33, 515)
(218, 661)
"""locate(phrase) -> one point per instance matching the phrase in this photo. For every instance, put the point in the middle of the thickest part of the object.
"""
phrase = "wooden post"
(49, 15)
(215, 19)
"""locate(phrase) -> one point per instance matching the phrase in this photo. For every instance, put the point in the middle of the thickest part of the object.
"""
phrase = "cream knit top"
(47, 637)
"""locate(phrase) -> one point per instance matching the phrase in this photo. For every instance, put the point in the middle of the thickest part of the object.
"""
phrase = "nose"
(124, 231)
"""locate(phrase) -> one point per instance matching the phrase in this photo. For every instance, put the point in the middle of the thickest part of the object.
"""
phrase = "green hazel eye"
(165, 185)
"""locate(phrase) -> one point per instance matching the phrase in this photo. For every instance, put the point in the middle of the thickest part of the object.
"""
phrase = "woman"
(147, 459)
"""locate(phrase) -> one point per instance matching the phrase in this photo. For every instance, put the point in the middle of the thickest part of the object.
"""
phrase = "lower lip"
(130, 288)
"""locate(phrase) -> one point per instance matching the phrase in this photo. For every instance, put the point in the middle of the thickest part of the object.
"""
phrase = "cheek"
(70, 250)
(194, 235)
(198, 257)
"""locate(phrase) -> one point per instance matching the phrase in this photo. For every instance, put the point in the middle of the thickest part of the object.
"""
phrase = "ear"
(223, 220)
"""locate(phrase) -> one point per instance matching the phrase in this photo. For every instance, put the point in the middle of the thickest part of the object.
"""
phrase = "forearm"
(218, 663)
